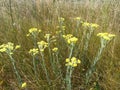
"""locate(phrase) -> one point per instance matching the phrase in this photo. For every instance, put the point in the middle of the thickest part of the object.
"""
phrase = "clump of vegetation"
(58, 45)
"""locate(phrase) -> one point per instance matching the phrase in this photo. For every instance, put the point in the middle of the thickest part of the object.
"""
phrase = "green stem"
(69, 86)
(15, 69)
(97, 58)
(68, 67)
(45, 69)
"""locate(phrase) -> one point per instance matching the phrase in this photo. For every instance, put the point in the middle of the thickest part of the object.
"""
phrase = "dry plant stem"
(15, 70)
(97, 58)
(45, 69)
(11, 15)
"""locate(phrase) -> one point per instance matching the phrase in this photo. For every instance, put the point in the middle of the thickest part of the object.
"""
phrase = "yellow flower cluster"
(77, 18)
(72, 62)
(55, 49)
(106, 36)
(8, 48)
(42, 45)
(92, 25)
(70, 39)
(33, 31)
(61, 19)
(47, 36)
(24, 85)
(33, 51)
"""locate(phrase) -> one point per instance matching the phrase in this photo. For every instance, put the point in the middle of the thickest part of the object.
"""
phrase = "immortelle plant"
(104, 40)
(41, 46)
(9, 48)
(71, 62)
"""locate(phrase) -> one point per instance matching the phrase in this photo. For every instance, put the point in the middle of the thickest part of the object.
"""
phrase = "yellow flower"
(24, 85)
(8, 48)
(33, 31)
(106, 36)
(61, 19)
(70, 39)
(17, 46)
(77, 18)
(86, 24)
(47, 36)
(42, 45)
(75, 65)
(3, 49)
(78, 61)
(33, 51)
(55, 49)
(67, 59)
(93, 25)
(72, 62)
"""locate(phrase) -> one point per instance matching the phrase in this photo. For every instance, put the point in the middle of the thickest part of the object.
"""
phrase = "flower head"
(70, 39)
(33, 32)
(106, 36)
(61, 19)
(90, 25)
(42, 45)
(72, 62)
(9, 48)
(24, 85)
(33, 51)
(55, 49)
(77, 18)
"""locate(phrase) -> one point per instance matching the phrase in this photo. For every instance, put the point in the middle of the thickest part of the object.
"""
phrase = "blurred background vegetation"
(18, 16)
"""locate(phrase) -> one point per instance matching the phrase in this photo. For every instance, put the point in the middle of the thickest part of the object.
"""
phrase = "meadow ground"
(36, 65)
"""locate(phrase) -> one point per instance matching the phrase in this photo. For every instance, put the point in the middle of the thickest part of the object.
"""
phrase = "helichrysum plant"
(89, 29)
(9, 48)
(61, 25)
(42, 45)
(78, 23)
(56, 63)
(48, 39)
(104, 39)
(33, 32)
(33, 52)
(71, 41)
(71, 63)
